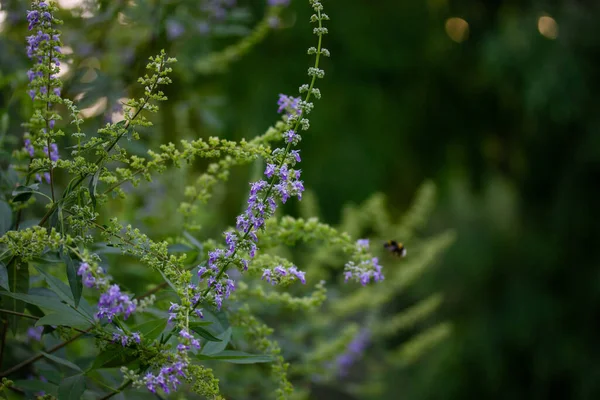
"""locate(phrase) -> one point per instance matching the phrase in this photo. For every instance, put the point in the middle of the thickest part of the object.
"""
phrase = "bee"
(395, 248)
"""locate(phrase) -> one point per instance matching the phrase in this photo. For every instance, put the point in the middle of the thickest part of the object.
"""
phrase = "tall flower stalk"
(44, 49)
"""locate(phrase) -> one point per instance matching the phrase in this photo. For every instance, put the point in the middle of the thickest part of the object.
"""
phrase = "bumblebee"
(395, 248)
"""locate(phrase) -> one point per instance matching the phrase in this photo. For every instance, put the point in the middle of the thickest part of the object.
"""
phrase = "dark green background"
(506, 123)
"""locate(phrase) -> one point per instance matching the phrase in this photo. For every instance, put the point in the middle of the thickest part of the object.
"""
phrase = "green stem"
(112, 145)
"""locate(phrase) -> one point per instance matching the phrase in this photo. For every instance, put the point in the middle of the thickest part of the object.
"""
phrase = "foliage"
(69, 263)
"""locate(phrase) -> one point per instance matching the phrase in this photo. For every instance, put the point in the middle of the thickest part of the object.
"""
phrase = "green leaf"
(237, 357)
(65, 293)
(168, 281)
(24, 193)
(179, 248)
(18, 283)
(92, 187)
(72, 388)
(5, 217)
(212, 348)
(219, 318)
(193, 241)
(113, 358)
(4, 276)
(75, 282)
(62, 361)
(57, 286)
(32, 385)
(196, 327)
(44, 302)
(151, 329)
(70, 318)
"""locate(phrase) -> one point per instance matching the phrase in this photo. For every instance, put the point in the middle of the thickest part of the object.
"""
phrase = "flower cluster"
(176, 307)
(367, 267)
(353, 352)
(279, 274)
(125, 339)
(43, 47)
(112, 301)
(261, 205)
(289, 104)
(167, 378)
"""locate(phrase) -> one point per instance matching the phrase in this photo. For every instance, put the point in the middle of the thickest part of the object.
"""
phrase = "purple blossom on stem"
(54, 156)
(124, 339)
(364, 271)
(280, 274)
(167, 378)
(29, 147)
(289, 104)
(290, 136)
(34, 333)
(353, 352)
(112, 301)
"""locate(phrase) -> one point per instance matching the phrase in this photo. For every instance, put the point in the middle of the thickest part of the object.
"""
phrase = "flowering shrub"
(60, 272)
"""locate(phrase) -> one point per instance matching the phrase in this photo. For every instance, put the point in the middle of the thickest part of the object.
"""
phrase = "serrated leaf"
(62, 361)
(5, 217)
(236, 357)
(3, 276)
(18, 283)
(75, 282)
(196, 327)
(211, 348)
(72, 388)
(70, 318)
(151, 329)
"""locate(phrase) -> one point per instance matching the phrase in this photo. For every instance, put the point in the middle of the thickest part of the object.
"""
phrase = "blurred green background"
(495, 101)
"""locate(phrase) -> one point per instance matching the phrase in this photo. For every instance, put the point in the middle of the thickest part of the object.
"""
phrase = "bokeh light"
(548, 27)
(457, 29)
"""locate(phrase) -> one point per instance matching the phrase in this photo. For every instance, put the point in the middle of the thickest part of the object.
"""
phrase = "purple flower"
(353, 352)
(296, 154)
(29, 147)
(363, 243)
(290, 136)
(280, 274)
(34, 333)
(113, 302)
(167, 378)
(364, 271)
(291, 105)
(54, 156)
(270, 170)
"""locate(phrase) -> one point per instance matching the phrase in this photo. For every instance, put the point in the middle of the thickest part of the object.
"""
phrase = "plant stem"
(40, 356)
